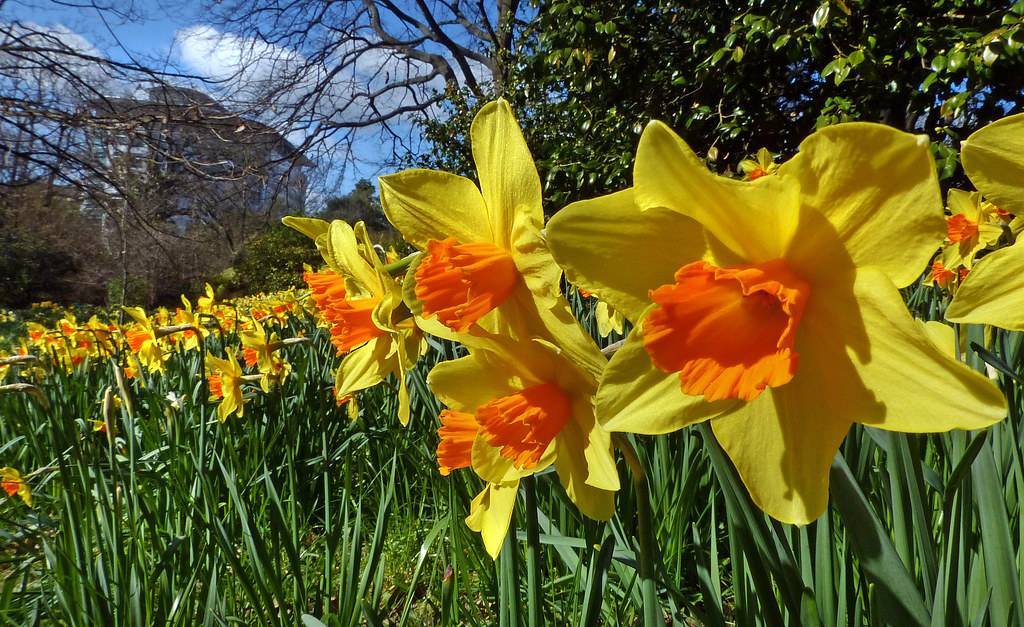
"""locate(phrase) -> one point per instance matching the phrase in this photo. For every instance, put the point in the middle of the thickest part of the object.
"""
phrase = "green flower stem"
(401, 265)
(534, 597)
(645, 531)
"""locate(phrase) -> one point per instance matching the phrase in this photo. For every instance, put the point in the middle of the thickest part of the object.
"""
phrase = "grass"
(296, 515)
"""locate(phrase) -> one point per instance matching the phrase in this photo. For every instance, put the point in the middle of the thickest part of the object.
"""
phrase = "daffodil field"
(789, 397)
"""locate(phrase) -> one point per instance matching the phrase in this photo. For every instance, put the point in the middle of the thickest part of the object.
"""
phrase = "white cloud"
(37, 57)
(337, 88)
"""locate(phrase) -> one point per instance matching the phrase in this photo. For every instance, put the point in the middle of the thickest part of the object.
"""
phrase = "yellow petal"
(782, 447)
(310, 227)
(138, 314)
(365, 366)
(610, 247)
(226, 407)
(993, 158)
(508, 178)
(878, 188)
(491, 466)
(967, 203)
(637, 397)
(608, 320)
(466, 383)
(533, 257)
(215, 363)
(754, 220)
(342, 254)
(593, 502)
(993, 293)
(25, 492)
(588, 448)
(428, 205)
(490, 514)
(922, 389)
(551, 319)
(943, 336)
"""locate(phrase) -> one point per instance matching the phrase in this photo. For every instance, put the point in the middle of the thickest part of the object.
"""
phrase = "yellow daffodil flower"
(973, 226)
(608, 320)
(513, 409)
(225, 381)
(482, 247)
(14, 485)
(370, 324)
(207, 302)
(772, 305)
(762, 165)
(103, 336)
(143, 341)
(259, 352)
(945, 277)
(993, 293)
(191, 340)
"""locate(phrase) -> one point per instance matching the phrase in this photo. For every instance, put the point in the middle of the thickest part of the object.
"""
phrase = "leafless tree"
(335, 68)
(168, 173)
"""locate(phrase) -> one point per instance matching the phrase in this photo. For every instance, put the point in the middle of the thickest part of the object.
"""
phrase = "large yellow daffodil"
(485, 264)
(515, 408)
(993, 293)
(772, 305)
(363, 303)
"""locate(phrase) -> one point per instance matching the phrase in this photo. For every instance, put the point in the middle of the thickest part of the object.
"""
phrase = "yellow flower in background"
(513, 409)
(762, 165)
(143, 341)
(483, 249)
(225, 380)
(191, 340)
(772, 305)
(363, 304)
(259, 352)
(973, 226)
(103, 335)
(14, 485)
(207, 302)
(993, 293)
(608, 320)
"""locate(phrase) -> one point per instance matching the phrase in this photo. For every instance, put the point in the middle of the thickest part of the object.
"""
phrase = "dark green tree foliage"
(359, 204)
(734, 76)
(273, 261)
(31, 271)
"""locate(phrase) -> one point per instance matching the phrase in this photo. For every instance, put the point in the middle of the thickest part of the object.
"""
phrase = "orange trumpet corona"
(458, 431)
(523, 424)
(728, 332)
(960, 228)
(460, 283)
(351, 320)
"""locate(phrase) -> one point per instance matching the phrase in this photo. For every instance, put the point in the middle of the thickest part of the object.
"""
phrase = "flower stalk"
(645, 533)
(533, 580)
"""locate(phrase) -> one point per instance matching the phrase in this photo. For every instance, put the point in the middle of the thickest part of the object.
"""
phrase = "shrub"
(273, 261)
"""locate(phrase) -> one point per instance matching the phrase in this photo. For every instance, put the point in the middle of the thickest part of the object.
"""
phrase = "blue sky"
(150, 35)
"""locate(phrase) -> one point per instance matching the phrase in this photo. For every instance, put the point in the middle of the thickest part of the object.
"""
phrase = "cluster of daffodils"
(148, 340)
(143, 344)
(249, 328)
(767, 305)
